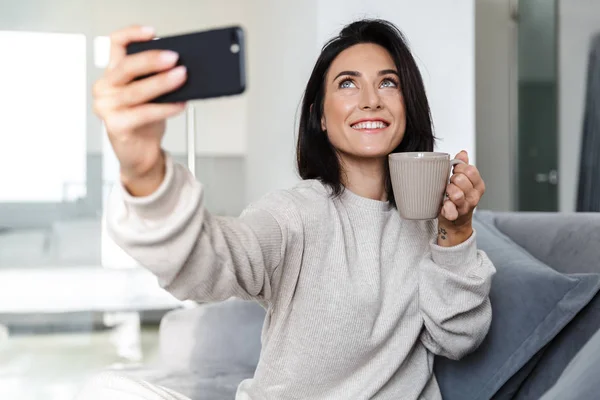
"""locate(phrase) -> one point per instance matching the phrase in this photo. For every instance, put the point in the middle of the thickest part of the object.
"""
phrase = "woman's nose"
(370, 99)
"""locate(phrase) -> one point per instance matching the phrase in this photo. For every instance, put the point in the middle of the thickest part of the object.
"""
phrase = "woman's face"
(363, 111)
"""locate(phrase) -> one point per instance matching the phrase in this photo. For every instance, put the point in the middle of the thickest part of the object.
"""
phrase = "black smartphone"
(215, 62)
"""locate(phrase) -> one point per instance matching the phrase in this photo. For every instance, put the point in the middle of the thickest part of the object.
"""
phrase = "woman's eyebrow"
(389, 71)
(351, 73)
(358, 74)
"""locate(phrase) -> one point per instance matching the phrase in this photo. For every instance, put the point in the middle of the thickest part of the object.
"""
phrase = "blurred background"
(508, 80)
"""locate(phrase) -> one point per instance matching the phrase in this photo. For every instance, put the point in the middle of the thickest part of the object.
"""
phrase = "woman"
(358, 300)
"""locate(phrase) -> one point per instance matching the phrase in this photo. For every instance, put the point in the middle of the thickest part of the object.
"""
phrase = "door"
(537, 99)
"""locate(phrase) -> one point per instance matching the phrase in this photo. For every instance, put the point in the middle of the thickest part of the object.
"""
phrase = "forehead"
(363, 57)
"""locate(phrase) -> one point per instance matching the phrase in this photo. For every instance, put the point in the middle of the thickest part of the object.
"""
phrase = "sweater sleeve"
(454, 287)
(194, 254)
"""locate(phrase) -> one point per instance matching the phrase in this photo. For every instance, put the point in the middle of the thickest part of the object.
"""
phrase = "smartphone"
(215, 62)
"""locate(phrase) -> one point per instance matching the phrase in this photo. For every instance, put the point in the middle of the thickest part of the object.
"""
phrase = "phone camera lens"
(235, 48)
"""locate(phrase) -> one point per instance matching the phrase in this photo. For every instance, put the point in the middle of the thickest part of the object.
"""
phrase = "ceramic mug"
(419, 181)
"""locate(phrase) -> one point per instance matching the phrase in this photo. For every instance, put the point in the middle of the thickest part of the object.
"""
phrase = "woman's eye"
(346, 84)
(389, 83)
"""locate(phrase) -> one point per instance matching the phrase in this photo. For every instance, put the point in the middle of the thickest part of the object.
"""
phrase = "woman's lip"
(372, 130)
(370, 120)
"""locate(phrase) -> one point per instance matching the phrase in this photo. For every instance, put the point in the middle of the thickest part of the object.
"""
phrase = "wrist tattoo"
(443, 233)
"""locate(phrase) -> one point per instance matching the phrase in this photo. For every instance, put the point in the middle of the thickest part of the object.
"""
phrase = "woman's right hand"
(135, 127)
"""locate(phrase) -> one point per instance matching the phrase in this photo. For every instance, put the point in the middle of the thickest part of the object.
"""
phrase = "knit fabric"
(358, 300)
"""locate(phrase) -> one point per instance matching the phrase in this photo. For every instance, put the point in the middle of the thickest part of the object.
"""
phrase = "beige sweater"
(358, 300)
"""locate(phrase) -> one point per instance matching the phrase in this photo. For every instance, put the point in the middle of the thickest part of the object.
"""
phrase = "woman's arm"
(194, 254)
(157, 214)
(455, 278)
(454, 286)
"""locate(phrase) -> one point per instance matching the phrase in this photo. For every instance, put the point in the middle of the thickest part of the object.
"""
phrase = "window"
(43, 124)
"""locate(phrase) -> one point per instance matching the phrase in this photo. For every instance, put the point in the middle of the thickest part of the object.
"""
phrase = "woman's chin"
(371, 152)
(373, 148)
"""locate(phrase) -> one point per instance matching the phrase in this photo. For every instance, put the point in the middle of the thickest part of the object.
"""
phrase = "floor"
(52, 366)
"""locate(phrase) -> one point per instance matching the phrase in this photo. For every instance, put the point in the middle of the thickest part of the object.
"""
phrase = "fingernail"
(168, 56)
(178, 73)
(148, 30)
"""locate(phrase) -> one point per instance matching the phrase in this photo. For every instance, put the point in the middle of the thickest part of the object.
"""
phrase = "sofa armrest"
(213, 338)
(568, 242)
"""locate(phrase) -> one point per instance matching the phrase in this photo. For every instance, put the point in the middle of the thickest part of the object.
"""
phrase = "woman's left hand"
(462, 196)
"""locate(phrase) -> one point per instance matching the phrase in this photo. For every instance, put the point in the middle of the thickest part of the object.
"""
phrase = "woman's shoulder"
(310, 189)
(308, 194)
(294, 209)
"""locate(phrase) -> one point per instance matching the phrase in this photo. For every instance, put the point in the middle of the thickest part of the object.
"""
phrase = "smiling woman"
(368, 85)
(358, 299)
(360, 104)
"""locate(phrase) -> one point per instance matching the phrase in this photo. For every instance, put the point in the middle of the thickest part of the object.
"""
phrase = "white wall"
(579, 20)
(282, 50)
(441, 36)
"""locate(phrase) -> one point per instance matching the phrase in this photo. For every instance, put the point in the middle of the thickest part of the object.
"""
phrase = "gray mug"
(419, 182)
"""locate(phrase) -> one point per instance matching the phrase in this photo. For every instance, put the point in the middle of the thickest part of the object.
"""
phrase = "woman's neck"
(364, 177)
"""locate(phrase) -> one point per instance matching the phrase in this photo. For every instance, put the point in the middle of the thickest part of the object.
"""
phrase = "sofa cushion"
(213, 338)
(531, 303)
(579, 381)
(568, 242)
(557, 355)
(193, 384)
(511, 388)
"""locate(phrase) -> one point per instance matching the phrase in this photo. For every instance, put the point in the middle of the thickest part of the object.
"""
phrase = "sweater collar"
(349, 197)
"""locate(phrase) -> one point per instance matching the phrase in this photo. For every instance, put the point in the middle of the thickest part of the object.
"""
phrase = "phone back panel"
(215, 62)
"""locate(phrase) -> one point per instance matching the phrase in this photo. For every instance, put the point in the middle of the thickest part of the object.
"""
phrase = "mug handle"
(454, 162)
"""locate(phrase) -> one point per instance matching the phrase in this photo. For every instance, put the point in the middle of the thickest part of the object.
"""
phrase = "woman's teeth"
(370, 125)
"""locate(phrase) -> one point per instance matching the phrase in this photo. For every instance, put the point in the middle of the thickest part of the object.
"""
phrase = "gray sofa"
(207, 350)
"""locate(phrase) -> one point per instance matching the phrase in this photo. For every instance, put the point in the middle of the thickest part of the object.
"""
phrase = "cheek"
(336, 110)
(395, 104)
